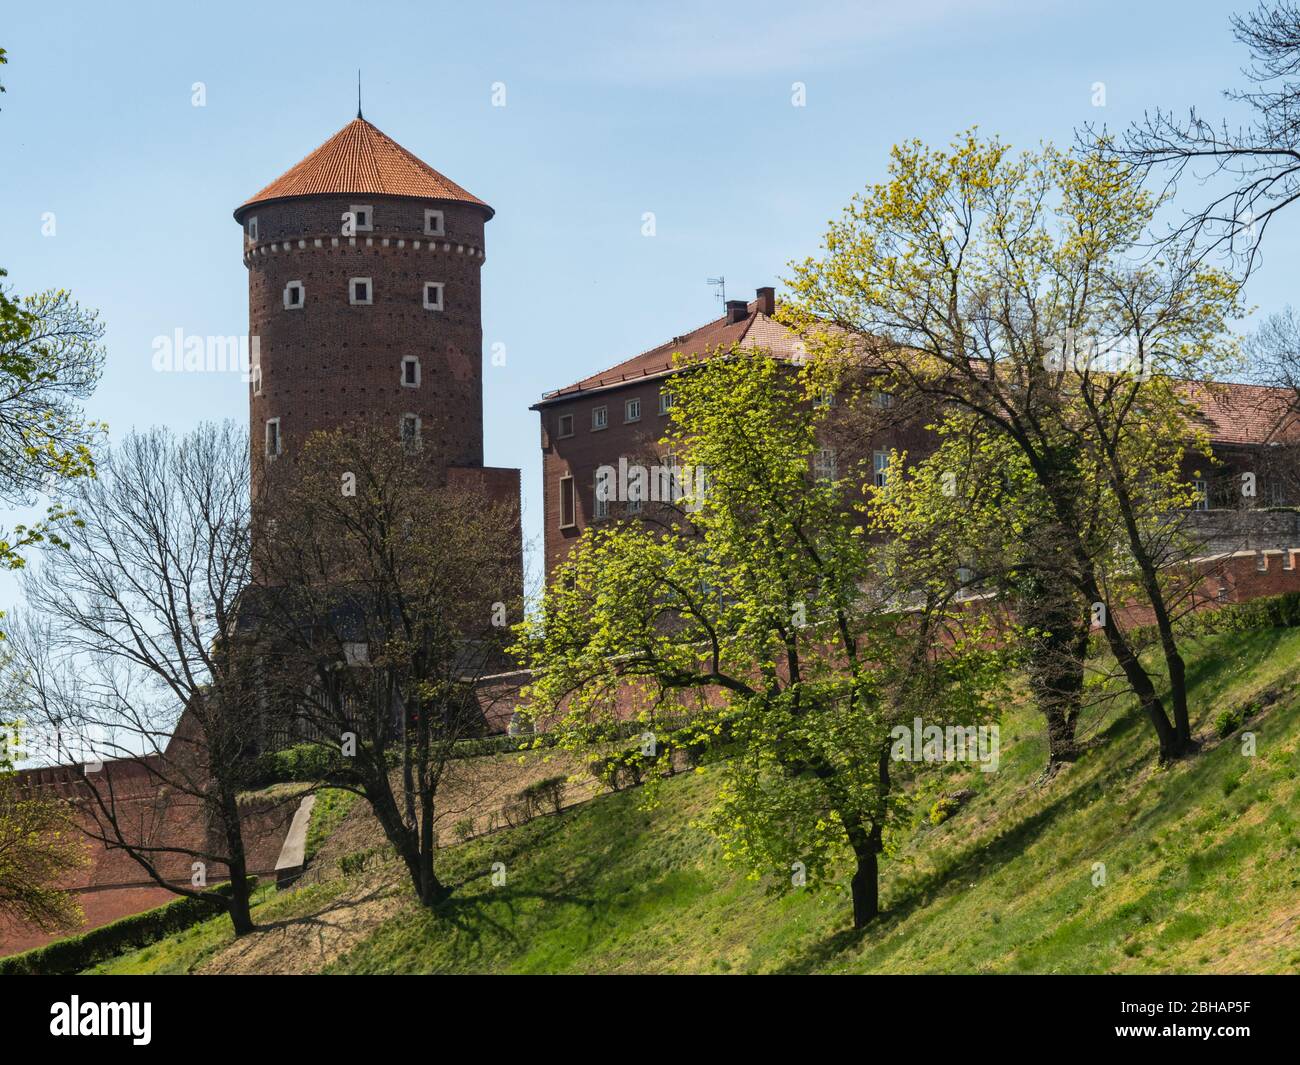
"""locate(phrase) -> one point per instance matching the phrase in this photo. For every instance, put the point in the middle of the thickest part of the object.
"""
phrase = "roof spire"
(358, 92)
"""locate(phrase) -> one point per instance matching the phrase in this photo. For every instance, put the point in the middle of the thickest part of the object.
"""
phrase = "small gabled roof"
(362, 160)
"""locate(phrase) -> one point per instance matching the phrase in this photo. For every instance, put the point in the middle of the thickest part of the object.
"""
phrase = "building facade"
(364, 305)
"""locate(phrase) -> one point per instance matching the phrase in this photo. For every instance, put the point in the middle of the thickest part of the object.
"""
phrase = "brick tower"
(363, 294)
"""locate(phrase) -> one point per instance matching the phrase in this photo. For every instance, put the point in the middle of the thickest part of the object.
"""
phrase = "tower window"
(599, 418)
(632, 410)
(410, 431)
(252, 227)
(433, 295)
(294, 295)
(568, 505)
(411, 372)
(362, 218)
(433, 224)
(273, 443)
(565, 427)
(256, 376)
(360, 291)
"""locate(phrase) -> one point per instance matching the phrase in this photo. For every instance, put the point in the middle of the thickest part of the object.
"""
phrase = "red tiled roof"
(360, 159)
(1232, 413)
(1235, 413)
(756, 330)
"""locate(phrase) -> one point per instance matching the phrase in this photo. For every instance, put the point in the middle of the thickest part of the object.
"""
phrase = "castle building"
(364, 297)
(619, 414)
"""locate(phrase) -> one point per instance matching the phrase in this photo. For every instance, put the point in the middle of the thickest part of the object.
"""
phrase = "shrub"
(1228, 722)
(544, 794)
(79, 952)
(463, 829)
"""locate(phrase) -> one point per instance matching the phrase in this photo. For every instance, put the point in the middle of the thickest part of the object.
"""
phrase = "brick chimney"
(765, 299)
(737, 311)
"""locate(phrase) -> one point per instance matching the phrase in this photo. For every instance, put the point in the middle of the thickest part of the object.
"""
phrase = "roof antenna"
(358, 92)
(720, 283)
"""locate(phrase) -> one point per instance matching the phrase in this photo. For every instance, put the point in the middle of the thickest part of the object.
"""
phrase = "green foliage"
(327, 813)
(79, 952)
(546, 794)
(764, 615)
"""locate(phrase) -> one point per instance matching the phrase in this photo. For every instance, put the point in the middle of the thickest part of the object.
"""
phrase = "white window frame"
(825, 398)
(1202, 501)
(560, 434)
(435, 223)
(665, 401)
(412, 443)
(436, 304)
(629, 406)
(883, 400)
(355, 209)
(880, 468)
(301, 289)
(566, 484)
(279, 439)
(411, 360)
(352, 291)
(599, 419)
(255, 377)
(602, 509)
(825, 464)
(252, 228)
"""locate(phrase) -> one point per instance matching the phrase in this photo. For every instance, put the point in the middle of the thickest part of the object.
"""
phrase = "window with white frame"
(565, 426)
(599, 418)
(883, 400)
(433, 224)
(880, 468)
(632, 410)
(294, 296)
(360, 291)
(363, 217)
(252, 227)
(255, 374)
(273, 442)
(1202, 495)
(824, 466)
(602, 508)
(825, 398)
(665, 401)
(433, 295)
(568, 504)
(410, 431)
(411, 371)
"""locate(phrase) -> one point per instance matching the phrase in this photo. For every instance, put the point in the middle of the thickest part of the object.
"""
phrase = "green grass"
(331, 807)
(1201, 862)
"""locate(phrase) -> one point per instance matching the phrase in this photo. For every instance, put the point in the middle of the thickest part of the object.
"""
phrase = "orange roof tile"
(360, 159)
(756, 330)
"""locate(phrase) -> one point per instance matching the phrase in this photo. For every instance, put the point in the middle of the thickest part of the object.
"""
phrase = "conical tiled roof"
(360, 159)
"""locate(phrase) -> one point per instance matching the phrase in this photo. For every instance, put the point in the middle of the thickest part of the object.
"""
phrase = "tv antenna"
(720, 283)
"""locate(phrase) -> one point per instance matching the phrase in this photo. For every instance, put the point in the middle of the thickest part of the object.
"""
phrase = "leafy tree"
(1010, 288)
(50, 359)
(766, 617)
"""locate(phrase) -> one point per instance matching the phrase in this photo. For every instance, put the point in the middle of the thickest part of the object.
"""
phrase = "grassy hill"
(1202, 864)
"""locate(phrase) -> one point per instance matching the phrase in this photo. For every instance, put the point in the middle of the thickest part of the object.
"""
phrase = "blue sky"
(612, 110)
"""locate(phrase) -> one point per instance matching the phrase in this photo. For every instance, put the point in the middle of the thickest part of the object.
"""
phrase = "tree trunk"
(241, 916)
(866, 888)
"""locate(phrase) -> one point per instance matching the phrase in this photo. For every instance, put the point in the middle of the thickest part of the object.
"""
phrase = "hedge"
(80, 952)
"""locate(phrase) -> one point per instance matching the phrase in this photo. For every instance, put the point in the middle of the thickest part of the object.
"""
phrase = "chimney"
(766, 299)
(737, 311)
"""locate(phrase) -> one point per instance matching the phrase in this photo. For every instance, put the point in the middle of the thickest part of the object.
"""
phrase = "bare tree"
(1252, 169)
(132, 656)
(384, 596)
